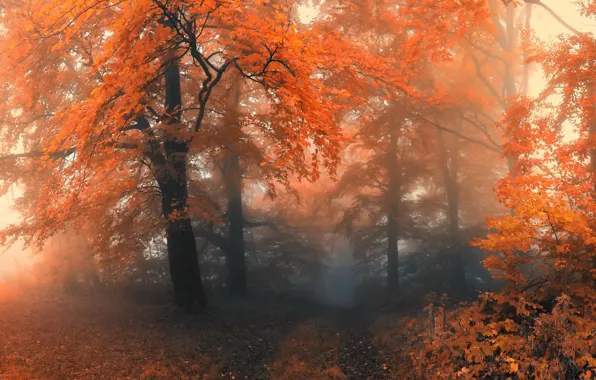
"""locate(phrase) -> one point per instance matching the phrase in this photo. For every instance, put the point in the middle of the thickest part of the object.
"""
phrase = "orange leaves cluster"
(87, 67)
(550, 141)
(438, 24)
(506, 337)
(544, 247)
(587, 7)
(75, 74)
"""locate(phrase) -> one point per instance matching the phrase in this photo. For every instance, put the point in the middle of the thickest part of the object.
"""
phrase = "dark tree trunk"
(236, 260)
(393, 200)
(237, 285)
(182, 250)
(171, 174)
(392, 253)
(450, 160)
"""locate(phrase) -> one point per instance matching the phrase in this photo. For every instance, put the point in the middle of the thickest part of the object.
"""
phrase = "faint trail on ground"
(360, 358)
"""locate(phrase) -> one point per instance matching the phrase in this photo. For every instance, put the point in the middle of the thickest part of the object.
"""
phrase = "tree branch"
(485, 81)
(262, 223)
(213, 237)
(59, 154)
(555, 16)
(482, 129)
(38, 154)
(462, 136)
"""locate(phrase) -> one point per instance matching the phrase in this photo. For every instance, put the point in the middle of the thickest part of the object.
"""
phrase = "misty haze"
(297, 189)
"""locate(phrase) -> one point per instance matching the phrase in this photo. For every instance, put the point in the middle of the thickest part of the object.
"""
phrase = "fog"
(267, 190)
(16, 258)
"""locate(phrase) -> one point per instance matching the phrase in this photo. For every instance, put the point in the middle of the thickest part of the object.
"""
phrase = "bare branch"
(462, 136)
(30, 121)
(38, 154)
(61, 154)
(262, 223)
(555, 16)
(485, 81)
(482, 129)
(213, 237)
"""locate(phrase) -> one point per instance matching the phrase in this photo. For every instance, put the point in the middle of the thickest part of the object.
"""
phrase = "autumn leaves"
(138, 94)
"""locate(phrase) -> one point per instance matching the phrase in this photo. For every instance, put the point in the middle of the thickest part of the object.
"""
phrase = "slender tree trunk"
(527, 25)
(589, 278)
(392, 253)
(236, 261)
(592, 136)
(450, 160)
(236, 256)
(507, 38)
(171, 174)
(393, 200)
(510, 47)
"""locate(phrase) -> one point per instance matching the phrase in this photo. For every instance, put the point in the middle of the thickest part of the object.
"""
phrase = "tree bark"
(236, 255)
(236, 261)
(171, 174)
(507, 38)
(450, 160)
(393, 200)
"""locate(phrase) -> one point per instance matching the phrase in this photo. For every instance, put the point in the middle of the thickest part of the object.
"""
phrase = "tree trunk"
(392, 253)
(511, 46)
(592, 136)
(507, 38)
(236, 255)
(182, 253)
(394, 199)
(236, 261)
(589, 277)
(171, 174)
(450, 160)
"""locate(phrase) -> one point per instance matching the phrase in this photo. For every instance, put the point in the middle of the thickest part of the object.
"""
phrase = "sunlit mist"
(300, 189)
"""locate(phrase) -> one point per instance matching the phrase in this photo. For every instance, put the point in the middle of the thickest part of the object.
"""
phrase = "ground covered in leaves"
(44, 336)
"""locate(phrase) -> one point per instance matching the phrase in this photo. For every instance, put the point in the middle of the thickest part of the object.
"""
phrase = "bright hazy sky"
(544, 24)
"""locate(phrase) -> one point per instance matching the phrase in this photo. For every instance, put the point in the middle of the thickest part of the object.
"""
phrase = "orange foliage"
(543, 324)
(506, 336)
(75, 74)
(551, 188)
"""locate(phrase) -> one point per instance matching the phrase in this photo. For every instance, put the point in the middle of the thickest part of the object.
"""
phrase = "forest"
(298, 189)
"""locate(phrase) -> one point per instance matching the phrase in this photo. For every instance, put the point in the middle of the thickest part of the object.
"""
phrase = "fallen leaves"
(53, 336)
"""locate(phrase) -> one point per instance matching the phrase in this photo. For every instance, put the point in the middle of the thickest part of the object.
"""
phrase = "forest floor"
(46, 336)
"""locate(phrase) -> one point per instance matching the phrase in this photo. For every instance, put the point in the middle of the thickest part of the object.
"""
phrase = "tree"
(388, 164)
(551, 189)
(445, 95)
(540, 325)
(104, 140)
